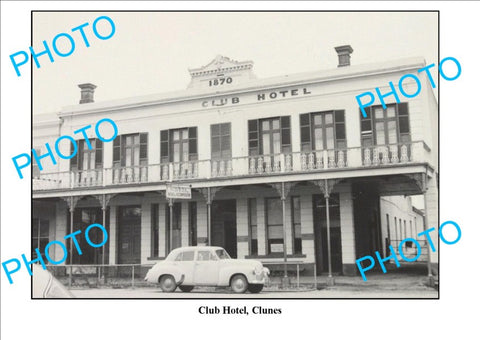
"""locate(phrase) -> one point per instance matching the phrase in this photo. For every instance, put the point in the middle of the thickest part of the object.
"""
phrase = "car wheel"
(167, 283)
(255, 288)
(186, 289)
(239, 283)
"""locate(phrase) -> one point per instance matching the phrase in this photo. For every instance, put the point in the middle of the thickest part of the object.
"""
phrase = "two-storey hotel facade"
(284, 163)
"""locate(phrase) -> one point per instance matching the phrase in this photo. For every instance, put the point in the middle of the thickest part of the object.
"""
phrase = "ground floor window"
(273, 207)
(40, 232)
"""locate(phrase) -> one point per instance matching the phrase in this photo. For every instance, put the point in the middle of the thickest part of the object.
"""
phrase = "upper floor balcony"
(294, 163)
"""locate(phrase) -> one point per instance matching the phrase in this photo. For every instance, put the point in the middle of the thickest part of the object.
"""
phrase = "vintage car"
(187, 267)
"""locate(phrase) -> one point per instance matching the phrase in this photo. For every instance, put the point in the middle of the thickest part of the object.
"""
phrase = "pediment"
(221, 64)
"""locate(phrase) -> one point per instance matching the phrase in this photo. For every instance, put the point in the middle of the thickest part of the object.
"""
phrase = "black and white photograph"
(235, 184)
(202, 164)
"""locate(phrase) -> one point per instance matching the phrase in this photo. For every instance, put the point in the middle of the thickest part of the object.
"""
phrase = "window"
(40, 231)
(322, 130)
(273, 207)
(179, 145)
(385, 126)
(130, 150)
(154, 230)
(35, 168)
(87, 159)
(296, 225)
(205, 255)
(269, 136)
(185, 256)
(221, 141)
(130, 158)
(188, 255)
(192, 223)
(222, 254)
(252, 226)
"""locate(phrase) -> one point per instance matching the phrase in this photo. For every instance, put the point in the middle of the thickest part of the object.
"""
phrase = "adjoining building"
(400, 220)
(284, 162)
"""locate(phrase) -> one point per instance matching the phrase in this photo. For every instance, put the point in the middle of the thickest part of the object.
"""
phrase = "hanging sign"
(179, 191)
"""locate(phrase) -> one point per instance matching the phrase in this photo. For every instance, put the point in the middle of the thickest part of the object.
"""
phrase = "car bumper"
(259, 279)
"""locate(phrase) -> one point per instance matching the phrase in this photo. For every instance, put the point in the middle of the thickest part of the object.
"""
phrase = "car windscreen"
(222, 254)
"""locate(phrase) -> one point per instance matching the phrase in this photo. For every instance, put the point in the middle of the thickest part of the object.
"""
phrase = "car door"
(206, 268)
(184, 262)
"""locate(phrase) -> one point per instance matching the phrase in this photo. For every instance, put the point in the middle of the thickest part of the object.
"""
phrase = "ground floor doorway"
(128, 231)
(366, 211)
(320, 233)
(224, 225)
(82, 219)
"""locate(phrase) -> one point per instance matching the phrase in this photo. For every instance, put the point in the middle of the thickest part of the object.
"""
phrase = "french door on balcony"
(179, 146)
(87, 157)
(130, 158)
(267, 140)
(271, 143)
(88, 162)
(132, 150)
(221, 146)
(385, 126)
(386, 134)
(323, 131)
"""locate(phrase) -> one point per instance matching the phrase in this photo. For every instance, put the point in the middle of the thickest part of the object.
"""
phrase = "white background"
(454, 315)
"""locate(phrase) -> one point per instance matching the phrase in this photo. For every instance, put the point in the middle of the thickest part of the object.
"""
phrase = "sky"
(151, 52)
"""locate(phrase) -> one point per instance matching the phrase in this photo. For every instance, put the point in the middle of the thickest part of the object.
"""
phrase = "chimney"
(86, 93)
(344, 55)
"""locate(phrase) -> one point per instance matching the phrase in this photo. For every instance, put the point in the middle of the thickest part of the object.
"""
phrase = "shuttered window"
(323, 130)
(269, 136)
(178, 145)
(85, 158)
(221, 141)
(130, 150)
(385, 126)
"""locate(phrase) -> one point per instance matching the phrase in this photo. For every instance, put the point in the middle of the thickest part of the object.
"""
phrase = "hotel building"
(284, 163)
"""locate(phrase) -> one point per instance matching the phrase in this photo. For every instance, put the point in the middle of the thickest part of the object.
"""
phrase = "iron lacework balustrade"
(247, 166)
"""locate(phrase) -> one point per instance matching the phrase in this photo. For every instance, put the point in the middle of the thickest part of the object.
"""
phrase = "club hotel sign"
(259, 97)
